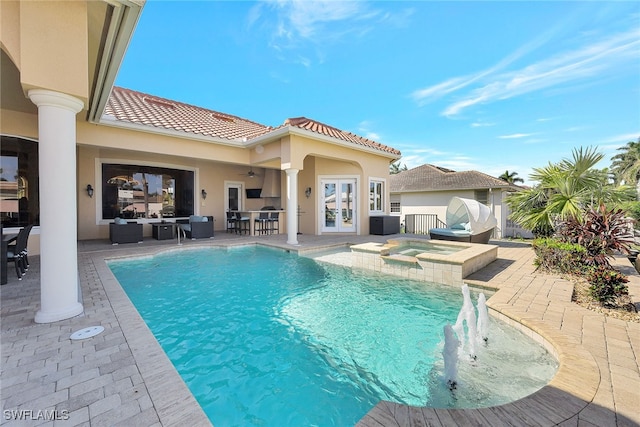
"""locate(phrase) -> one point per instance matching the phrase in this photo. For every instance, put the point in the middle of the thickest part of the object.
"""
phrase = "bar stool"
(242, 224)
(231, 223)
(261, 223)
(274, 222)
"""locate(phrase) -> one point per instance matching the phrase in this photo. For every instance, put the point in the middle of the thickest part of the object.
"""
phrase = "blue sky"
(488, 86)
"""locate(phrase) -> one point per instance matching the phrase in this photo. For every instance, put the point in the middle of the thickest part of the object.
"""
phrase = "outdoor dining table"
(6, 240)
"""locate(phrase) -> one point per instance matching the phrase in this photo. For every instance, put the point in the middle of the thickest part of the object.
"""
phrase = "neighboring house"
(427, 189)
(83, 152)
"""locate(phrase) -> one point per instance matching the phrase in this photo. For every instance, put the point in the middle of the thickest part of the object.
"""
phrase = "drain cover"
(85, 333)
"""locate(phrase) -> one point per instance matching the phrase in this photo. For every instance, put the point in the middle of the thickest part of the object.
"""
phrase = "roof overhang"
(293, 130)
(120, 21)
(269, 137)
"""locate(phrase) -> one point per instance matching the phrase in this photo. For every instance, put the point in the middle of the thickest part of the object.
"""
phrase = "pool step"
(399, 258)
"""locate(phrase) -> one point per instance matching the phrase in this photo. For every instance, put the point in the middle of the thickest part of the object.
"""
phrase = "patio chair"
(18, 253)
(197, 227)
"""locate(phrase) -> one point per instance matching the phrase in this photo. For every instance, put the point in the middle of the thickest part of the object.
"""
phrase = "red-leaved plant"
(602, 232)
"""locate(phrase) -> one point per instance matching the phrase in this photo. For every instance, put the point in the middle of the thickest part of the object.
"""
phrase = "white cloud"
(364, 128)
(321, 23)
(481, 124)
(622, 139)
(306, 18)
(515, 135)
(587, 62)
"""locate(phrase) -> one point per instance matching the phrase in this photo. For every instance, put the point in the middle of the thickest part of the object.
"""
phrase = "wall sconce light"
(307, 192)
(204, 194)
(89, 190)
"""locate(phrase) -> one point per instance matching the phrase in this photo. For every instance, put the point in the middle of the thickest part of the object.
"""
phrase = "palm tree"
(511, 177)
(563, 191)
(395, 168)
(625, 165)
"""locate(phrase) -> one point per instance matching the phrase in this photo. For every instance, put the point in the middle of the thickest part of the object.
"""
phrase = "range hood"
(271, 183)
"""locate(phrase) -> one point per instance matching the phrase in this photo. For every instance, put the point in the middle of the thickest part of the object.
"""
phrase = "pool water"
(264, 337)
(414, 249)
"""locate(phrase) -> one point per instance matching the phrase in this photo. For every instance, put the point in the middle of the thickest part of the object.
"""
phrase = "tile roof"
(130, 106)
(321, 128)
(433, 178)
(136, 107)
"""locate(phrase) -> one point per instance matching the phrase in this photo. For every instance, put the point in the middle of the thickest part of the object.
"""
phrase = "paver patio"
(122, 376)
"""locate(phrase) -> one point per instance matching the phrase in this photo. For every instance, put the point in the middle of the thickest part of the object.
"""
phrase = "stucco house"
(428, 189)
(80, 151)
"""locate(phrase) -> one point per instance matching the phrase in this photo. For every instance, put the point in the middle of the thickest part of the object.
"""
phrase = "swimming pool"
(264, 337)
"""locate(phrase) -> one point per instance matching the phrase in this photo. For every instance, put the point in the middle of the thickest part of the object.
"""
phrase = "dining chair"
(18, 253)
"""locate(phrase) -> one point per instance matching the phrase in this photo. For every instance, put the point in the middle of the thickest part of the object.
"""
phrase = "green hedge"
(559, 257)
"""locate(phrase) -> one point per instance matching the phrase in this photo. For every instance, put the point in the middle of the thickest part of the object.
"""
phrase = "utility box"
(384, 224)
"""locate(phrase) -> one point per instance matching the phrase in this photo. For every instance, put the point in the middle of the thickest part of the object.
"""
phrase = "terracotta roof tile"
(433, 178)
(321, 128)
(136, 107)
(130, 106)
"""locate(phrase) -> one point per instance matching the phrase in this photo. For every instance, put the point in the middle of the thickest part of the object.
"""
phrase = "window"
(376, 193)
(132, 191)
(19, 193)
(395, 203)
(482, 196)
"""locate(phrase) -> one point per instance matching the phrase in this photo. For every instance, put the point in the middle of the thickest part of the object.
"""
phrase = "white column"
(59, 296)
(292, 206)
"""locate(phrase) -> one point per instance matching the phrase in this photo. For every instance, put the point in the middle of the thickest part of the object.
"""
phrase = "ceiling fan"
(251, 173)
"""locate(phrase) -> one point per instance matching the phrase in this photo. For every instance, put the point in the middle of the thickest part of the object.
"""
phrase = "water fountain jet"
(467, 315)
(450, 354)
(483, 319)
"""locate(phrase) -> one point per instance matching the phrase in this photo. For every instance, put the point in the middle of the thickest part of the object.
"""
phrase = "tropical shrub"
(563, 191)
(605, 284)
(601, 233)
(559, 257)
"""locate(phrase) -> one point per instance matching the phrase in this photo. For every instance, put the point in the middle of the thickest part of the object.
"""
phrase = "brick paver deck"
(122, 376)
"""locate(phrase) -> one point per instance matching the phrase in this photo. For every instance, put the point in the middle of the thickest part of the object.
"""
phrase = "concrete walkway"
(122, 376)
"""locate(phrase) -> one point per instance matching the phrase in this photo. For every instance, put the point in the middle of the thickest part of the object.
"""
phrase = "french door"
(233, 196)
(339, 205)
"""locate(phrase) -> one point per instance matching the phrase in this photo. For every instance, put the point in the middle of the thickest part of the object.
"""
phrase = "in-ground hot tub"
(422, 259)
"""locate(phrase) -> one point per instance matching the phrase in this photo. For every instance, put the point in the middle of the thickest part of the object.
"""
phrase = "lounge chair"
(197, 227)
(467, 221)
